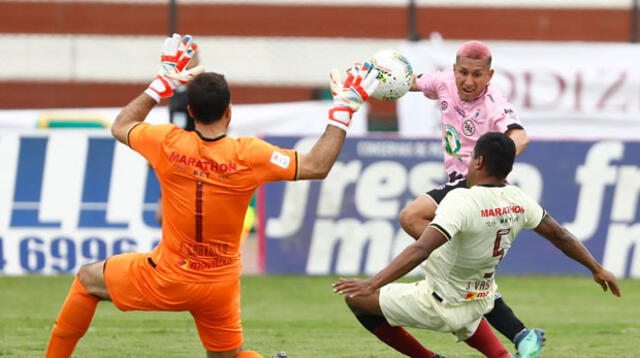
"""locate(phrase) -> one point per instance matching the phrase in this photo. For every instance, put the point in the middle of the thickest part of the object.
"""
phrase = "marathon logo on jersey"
(281, 160)
(203, 165)
(516, 209)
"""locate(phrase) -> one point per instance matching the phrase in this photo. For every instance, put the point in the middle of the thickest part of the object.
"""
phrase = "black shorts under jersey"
(456, 180)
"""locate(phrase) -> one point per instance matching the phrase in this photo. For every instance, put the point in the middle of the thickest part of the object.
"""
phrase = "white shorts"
(413, 305)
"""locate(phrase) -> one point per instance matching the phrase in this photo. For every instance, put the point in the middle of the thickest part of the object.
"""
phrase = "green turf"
(301, 316)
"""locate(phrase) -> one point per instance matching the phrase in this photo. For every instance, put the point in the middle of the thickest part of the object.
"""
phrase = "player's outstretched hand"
(350, 94)
(176, 53)
(606, 278)
(353, 287)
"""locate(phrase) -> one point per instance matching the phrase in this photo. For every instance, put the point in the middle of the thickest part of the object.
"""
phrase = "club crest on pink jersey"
(468, 127)
(443, 106)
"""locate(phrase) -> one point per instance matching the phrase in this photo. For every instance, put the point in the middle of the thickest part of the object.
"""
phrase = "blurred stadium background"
(70, 195)
(570, 68)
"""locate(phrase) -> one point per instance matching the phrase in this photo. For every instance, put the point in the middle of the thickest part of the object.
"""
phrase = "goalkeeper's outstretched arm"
(133, 114)
(348, 96)
(318, 162)
(176, 55)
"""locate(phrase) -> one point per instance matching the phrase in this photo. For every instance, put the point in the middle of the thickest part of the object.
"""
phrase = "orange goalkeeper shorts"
(133, 284)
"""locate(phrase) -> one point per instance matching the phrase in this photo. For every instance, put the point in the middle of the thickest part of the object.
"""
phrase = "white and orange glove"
(349, 95)
(173, 72)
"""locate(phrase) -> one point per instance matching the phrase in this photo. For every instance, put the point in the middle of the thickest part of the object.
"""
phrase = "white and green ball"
(394, 75)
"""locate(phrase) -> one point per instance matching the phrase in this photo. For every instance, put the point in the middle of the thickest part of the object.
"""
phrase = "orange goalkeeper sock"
(248, 354)
(72, 322)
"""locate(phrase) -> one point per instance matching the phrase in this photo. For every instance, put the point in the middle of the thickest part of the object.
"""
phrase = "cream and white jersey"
(480, 223)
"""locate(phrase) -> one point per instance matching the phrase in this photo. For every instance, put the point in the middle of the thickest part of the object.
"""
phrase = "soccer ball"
(394, 75)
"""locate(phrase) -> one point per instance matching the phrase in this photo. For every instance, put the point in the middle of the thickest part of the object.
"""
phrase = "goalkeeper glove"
(349, 95)
(172, 74)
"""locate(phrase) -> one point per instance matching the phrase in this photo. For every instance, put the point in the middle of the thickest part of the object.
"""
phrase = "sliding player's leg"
(77, 310)
(503, 319)
(528, 342)
(486, 342)
(414, 219)
(369, 313)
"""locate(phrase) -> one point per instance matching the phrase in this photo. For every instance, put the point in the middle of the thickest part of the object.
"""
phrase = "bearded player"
(207, 180)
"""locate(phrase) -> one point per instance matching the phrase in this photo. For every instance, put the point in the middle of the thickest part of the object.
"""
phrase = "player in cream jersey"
(472, 231)
(470, 106)
(480, 224)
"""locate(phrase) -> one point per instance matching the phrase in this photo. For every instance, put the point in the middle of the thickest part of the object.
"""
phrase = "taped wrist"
(340, 117)
(159, 88)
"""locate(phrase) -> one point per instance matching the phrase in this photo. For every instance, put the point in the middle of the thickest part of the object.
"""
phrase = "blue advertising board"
(69, 198)
(347, 223)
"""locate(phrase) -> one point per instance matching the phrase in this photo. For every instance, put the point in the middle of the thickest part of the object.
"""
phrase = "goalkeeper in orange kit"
(207, 180)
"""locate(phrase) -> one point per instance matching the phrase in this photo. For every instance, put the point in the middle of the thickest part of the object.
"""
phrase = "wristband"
(159, 88)
(340, 117)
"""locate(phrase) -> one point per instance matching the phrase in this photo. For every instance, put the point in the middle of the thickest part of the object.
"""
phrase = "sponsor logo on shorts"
(474, 295)
(205, 265)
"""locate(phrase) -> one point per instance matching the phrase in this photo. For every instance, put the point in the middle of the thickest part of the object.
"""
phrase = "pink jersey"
(464, 122)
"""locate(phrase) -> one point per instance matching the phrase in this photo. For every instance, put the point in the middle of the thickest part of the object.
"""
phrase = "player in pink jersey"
(470, 107)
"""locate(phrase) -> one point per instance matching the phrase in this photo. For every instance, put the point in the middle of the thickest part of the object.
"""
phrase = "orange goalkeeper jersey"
(206, 186)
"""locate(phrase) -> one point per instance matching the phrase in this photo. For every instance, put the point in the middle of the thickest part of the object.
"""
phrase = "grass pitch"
(303, 317)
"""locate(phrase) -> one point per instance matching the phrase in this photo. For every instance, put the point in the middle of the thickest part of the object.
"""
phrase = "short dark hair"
(498, 151)
(208, 96)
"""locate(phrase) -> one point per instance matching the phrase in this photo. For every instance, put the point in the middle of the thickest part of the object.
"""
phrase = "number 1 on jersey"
(199, 194)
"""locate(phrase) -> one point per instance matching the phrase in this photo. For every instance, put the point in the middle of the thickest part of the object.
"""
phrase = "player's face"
(472, 77)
